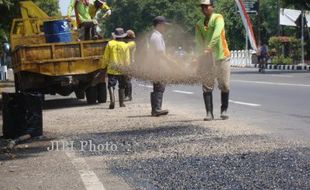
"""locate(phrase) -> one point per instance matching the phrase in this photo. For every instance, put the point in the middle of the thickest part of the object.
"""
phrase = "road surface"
(265, 144)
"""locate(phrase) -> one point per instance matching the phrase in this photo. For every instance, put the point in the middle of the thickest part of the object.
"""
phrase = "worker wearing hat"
(210, 37)
(85, 11)
(116, 54)
(157, 51)
(130, 40)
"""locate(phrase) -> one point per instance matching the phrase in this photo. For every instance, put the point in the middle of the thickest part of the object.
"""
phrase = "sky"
(63, 6)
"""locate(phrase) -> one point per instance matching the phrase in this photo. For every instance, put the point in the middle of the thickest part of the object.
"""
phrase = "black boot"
(112, 98)
(121, 96)
(128, 92)
(208, 99)
(225, 102)
(156, 102)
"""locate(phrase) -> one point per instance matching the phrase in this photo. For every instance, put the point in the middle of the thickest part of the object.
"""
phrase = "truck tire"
(91, 95)
(102, 93)
(80, 94)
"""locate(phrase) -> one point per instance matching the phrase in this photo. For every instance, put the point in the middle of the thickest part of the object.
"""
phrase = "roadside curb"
(277, 67)
(287, 67)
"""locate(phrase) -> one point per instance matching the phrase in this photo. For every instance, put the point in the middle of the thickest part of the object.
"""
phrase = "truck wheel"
(91, 95)
(80, 94)
(102, 92)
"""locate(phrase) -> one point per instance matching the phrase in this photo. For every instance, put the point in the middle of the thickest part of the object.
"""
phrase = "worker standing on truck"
(116, 54)
(85, 11)
(210, 37)
(130, 39)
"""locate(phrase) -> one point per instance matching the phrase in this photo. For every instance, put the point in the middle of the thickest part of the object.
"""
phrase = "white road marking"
(147, 86)
(245, 103)
(89, 178)
(284, 76)
(183, 92)
(273, 83)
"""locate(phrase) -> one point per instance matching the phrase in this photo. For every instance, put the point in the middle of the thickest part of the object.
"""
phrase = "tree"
(235, 31)
(10, 9)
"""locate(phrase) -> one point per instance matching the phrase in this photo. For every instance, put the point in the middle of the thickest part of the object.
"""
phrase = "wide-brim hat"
(119, 33)
(206, 2)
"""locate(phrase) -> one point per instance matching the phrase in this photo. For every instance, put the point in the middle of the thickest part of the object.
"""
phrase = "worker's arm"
(70, 8)
(198, 40)
(106, 57)
(219, 27)
(131, 45)
(107, 10)
(127, 53)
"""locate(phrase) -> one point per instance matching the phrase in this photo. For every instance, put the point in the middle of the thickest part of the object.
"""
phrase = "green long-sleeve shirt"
(212, 36)
(82, 10)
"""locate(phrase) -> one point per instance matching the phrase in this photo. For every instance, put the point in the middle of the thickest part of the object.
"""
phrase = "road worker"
(157, 53)
(130, 39)
(85, 11)
(210, 37)
(116, 53)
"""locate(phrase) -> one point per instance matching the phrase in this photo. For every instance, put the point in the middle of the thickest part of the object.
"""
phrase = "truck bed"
(59, 59)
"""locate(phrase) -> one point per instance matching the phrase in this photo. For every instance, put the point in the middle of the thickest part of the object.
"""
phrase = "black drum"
(22, 114)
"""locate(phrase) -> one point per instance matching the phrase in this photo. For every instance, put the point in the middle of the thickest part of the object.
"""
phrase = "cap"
(206, 2)
(119, 33)
(160, 20)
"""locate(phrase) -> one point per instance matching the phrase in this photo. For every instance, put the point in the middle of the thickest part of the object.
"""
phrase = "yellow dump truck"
(51, 68)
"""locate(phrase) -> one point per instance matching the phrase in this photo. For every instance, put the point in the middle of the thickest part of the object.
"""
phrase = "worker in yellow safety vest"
(86, 11)
(116, 53)
(130, 40)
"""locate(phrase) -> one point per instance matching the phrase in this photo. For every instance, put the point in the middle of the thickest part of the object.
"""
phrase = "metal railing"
(243, 58)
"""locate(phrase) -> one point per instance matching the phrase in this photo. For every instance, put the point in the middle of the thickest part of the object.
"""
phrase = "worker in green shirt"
(85, 11)
(210, 38)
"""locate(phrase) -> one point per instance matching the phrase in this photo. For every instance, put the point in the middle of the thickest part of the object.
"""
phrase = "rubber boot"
(208, 99)
(224, 107)
(156, 101)
(112, 98)
(121, 96)
(128, 93)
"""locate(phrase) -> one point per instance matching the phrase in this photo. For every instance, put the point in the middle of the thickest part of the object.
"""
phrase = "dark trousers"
(159, 87)
(128, 88)
(87, 30)
(113, 79)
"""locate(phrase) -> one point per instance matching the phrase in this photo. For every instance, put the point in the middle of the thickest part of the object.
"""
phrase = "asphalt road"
(278, 101)
(264, 145)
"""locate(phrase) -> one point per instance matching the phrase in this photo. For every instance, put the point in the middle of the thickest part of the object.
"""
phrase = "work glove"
(109, 12)
(95, 22)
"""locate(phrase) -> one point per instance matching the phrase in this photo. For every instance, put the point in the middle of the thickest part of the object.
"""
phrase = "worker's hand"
(194, 61)
(68, 18)
(95, 22)
(208, 50)
(109, 12)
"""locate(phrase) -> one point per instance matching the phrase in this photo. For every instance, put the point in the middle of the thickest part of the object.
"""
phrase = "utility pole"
(279, 26)
(302, 36)
(258, 22)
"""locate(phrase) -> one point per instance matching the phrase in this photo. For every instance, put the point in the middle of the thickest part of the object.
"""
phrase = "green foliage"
(290, 46)
(51, 7)
(298, 4)
(235, 32)
(138, 14)
(10, 9)
(281, 60)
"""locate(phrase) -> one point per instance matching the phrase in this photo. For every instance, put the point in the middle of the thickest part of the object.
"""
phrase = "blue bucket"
(57, 31)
